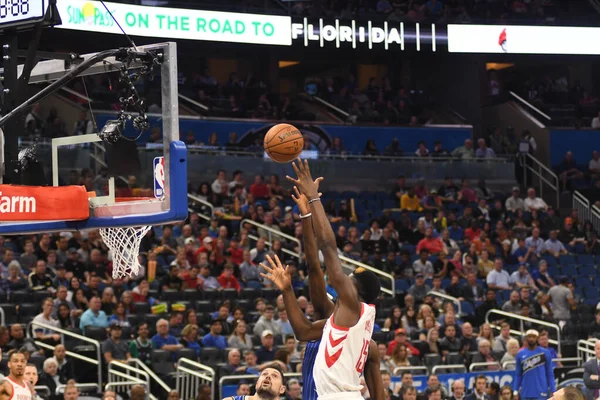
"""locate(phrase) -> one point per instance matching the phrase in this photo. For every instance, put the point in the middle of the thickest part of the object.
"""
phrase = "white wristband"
(313, 200)
(305, 216)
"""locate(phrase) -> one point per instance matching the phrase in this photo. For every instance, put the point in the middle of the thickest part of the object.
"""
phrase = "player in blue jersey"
(303, 328)
(534, 376)
(270, 385)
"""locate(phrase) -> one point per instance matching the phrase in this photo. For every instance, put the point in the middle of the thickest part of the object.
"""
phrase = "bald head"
(138, 392)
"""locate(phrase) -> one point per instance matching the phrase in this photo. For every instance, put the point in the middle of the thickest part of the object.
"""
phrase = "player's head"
(271, 382)
(17, 362)
(367, 284)
(532, 337)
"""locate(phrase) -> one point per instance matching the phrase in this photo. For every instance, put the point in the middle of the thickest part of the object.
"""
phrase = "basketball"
(283, 143)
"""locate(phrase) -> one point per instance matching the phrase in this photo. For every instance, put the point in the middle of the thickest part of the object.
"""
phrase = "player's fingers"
(270, 260)
(319, 180)
(296, 170)
(289, 178)
(268, 269)
(306, 168)
(269, 277)
(278, 261)
(296, 199)
(298, 195)
(320, 194)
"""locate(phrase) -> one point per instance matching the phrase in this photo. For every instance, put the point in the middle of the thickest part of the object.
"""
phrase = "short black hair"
(368, 285)
(276, 367)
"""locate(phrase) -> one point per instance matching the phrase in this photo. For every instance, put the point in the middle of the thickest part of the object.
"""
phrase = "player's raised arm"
(316, 279)
(280, 276)
(372, 373)
(348, 313)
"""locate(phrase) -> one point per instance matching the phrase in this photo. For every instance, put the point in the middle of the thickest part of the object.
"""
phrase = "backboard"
(155, 194)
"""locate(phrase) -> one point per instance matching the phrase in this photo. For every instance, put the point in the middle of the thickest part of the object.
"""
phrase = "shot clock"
(22, 13)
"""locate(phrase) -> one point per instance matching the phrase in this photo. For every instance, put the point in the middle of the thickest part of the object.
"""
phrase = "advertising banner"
(175, 23)
(512, 39)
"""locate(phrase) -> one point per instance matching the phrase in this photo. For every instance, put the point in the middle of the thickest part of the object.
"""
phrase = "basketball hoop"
(124, 242)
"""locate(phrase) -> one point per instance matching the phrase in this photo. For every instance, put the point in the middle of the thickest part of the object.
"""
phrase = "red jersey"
(229, 283)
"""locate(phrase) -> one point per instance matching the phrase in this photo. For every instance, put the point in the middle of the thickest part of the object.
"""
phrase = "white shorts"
(341, 396)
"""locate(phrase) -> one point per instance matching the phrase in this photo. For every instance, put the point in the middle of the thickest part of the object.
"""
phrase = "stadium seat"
(270, 294)
(244, 304)
(190, 354)
(29, 310)
(20, 297)
(192, 295)
(229, 294)
(40, 295)
(250, 293)
(162, 362)
(467, 308)
(10, 313)
(141, 308)
(568, 270)
(567, 259)
(205, 306)
(401, 286)
(588, 270)
(553, 270)
(96, 332)
(211, 295)
(431, 360)
(585, 259)
(204, 318)
(211, 355)
(454, 358)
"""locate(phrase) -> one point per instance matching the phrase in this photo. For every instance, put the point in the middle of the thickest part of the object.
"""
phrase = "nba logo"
(159, 177)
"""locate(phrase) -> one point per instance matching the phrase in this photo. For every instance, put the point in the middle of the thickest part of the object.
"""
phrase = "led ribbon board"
(175, 23)
(513, 39)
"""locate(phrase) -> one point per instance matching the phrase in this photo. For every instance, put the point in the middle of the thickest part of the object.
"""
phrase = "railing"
(391, 291)
(331, 106)
(63, 333)
(525, 319)
(538, 169)
(585, 349)
(448, 297)
(247, 378)
(459, 367)
(529, 105)
(399, 370)
(484, 364)
(587, 211)
(2, 316)
(121, 375)
(190, 375)
(274, 232)
(507, 364)
(60, 389)
(141, 366)
(43, 388)
(194, 102)
(197, 199)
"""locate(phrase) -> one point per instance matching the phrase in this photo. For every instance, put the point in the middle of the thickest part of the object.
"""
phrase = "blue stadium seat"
(382, 195)
(401, 285)
(591, 292)
(588, 269)
(390, 204)
(597, 280)
(569, 270)
(597, 259)
(567, 259)
(349, 195)
(365, 195)
(467, 308)
(553, 270)
(583, 282)
(585, 259)
(550, 260)
(591, 301)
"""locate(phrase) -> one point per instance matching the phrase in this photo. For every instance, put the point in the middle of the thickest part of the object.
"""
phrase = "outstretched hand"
(304, 181)
(277, 274)
(302, 201)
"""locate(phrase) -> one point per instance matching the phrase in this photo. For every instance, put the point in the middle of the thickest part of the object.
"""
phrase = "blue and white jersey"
(309, 390)
(534, 375)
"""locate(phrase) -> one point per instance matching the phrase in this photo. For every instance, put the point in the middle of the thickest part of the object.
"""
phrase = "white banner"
(512, 39)
(175, 23)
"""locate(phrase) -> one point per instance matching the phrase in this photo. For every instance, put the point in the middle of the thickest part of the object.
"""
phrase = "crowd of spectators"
(200, 293)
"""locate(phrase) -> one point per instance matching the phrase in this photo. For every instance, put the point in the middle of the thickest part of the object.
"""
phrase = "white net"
(124, 243)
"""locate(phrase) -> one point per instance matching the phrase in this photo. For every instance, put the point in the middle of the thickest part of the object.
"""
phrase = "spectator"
(214, 338)
(450, 343)
(594, 329)
(498, 279)
(39, 280)
(259, 189)
(568, 171)
(19, 340)
(410, 202)
(239, 338)
(45, 317)
(484, 264)
(485, 356)
(434, 388)
(400, 338)
(465, 151)
(259, 253)
(562, 301)
(113, 348)
(472, 290)
(189, 334)
(458, 390)
(513, 305)
(483, 151)
(93, 316)
(553, 246)
(468, 339)
(172, 281)
(448, 191)
(510, 357)
(285, 327)
(141, 346)
(227, 280)
(27, 259)
(49, 377)
(206, 280)
(394, 149)
(267, 350)
(422, 265)
(266, 322)
(544, 343)
(430, 244)
(419, 289)
(514, 203)
(532, 202)
(522, 279)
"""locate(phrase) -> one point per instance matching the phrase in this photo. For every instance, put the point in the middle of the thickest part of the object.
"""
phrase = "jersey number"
(364, 353)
